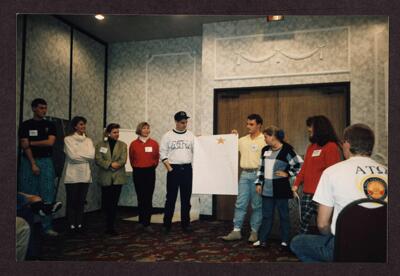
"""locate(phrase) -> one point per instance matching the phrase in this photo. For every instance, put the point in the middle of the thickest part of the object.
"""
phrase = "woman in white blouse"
(79, 152)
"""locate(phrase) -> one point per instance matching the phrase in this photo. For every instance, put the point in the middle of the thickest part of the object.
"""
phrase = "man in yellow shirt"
(250, 151)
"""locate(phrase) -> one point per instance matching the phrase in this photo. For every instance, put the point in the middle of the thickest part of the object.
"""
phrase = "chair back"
(361, 232)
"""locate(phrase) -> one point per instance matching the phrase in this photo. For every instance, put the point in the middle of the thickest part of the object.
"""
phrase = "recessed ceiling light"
(274, 18)
(99, 16)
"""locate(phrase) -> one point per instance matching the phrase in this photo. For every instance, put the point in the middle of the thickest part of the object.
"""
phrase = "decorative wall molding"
(285, 75)
(294, 56)
(192, 55)
(300, 56)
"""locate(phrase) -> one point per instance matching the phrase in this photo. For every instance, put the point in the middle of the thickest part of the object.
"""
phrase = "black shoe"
(71, 230)
(80, 230)
(187, 230)
(260, 244)
(284, 246)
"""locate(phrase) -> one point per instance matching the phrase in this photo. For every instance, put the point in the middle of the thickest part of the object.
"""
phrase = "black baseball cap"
(180, 116)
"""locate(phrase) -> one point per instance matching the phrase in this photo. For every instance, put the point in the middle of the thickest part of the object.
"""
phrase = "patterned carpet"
(203, 245)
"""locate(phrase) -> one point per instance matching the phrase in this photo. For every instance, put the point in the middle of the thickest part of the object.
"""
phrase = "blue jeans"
(247, 192)
(42, 184)
(268, 211)
(313, 248)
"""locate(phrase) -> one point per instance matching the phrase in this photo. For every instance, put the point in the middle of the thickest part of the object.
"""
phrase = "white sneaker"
(284, 244)
(257, 244)
(260, 244)
(51, 233)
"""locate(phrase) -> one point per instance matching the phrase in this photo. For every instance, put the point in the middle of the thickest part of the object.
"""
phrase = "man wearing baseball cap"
(176, 152)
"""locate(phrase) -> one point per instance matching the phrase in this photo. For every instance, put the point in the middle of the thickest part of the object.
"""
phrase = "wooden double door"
(285, 107)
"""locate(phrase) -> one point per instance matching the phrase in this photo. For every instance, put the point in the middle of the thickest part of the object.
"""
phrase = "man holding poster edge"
(176, 153)
(250, 150)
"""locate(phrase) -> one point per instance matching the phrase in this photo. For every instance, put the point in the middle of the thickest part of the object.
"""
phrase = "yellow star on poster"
(220, 140)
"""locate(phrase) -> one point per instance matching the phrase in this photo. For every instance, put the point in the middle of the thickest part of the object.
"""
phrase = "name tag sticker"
(316, 153)
(254, 147)
(103, 150)
(148, 149)
(33, 132)
(268, 153)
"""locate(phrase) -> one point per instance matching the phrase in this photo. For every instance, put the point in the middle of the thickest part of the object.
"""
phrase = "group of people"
(333, 174)
(36, 173)
(267, 164)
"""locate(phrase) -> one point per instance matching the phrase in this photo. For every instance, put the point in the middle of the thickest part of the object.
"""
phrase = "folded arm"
(78, 154)
(100, 160)
(49, 142)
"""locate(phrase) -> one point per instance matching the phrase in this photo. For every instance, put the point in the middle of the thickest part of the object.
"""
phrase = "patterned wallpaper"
(18, 68)
(18, 80)
(47, 76)
(165, 74)
(381, 70)
(47, 65)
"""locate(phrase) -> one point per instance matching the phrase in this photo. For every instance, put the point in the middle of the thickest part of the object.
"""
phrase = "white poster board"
(127, 136)
(215, 165)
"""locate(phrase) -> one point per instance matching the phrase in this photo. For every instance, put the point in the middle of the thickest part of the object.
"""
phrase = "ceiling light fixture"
(99, 16)
(274, 18)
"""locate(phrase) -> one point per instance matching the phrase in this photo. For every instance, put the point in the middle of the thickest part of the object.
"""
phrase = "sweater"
(316, 160)
(144, 154)
(285, 159)
(79, 151)
(177, 147)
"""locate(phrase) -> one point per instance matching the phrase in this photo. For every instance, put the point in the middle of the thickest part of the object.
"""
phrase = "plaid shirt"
(285, 159)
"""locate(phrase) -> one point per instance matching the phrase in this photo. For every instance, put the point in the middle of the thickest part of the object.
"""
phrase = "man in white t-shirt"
(176, 152)
(357, 177)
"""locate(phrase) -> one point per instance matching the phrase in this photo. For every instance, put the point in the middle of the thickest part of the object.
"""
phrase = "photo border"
(9, 266)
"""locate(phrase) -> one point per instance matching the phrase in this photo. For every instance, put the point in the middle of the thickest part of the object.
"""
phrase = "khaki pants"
(22, 238)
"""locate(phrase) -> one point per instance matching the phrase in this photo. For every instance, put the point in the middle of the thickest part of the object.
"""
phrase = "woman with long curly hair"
(323, 152)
